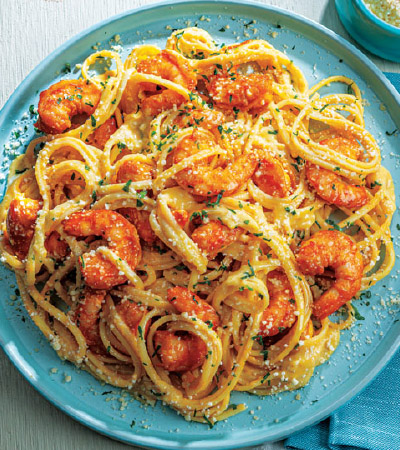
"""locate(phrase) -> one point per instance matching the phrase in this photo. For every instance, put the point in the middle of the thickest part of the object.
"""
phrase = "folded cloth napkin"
(394, 78)
(371, 421)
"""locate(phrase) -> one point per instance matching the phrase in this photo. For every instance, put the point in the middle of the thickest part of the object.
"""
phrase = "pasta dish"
(187, 221)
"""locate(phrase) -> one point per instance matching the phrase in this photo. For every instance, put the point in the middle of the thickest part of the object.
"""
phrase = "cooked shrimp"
(101, 135)
(157, 103)
(330, 248)
(134, 171)
(280, 312)
(246, 92)
(181, 216)
(87, 316)
(122, 238)
(179, 353)
(184, 300)
(56, 247)
(346, 146)
(20, 224)
(141, 220)
(169, 66)
(272, 178)
(334, 189)
(130, 312)
(64, 100)
(200, 179)
(213, 237)
(137, 171)
(329, 185)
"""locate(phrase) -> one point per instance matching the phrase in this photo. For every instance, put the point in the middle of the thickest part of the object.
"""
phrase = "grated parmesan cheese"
(387, 10)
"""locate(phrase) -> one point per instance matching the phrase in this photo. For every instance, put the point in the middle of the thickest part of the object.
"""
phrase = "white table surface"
(29, 31)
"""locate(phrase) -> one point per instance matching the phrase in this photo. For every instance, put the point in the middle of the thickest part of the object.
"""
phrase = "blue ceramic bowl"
(369, 30)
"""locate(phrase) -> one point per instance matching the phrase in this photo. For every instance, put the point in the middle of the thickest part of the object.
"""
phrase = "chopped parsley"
(216, 203)
(126, 186)
(66, 68)
(334, 225)
(258, 338)
(356, 314)
(250, 273)
(211, 425)
(265, 377)
(156, 351)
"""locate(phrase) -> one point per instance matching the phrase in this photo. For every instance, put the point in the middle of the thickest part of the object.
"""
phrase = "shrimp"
(134, 171)
(101, 135)
(137, 171)
(20, 227)
(179, 353)
(141, 220)
(184, 300)
(330, 186)
(20, 224)
(168, 66)
(131, 313)
(122, 238)
(183, 352)
(331, 248)
(87, 316)
(181, 216)
(245, 92)
(280, 312)
(272, 178)
(64, 100)
(157, 103)
(200, 179)
(212, 237)
(55, 246)
(347, 146)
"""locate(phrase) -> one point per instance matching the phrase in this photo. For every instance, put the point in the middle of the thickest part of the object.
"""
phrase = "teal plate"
(363, 351)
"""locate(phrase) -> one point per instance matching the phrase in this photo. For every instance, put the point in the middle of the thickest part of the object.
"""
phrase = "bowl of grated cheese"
(374, 24)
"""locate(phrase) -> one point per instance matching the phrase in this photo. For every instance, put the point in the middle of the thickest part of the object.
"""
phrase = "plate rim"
(262, 434)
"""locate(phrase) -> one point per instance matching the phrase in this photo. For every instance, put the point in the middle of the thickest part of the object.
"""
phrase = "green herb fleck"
(126, 186)
(356, 314)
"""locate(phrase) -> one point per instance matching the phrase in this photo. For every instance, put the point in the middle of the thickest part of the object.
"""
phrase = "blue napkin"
(371, 421)
(394, 78)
